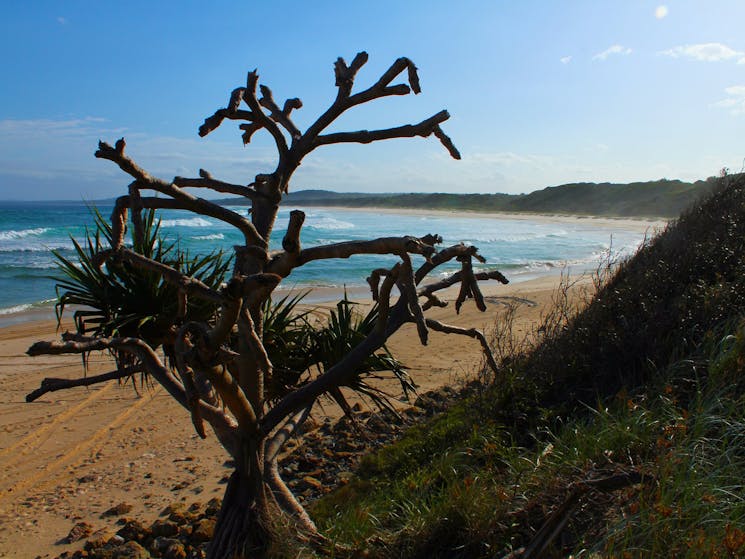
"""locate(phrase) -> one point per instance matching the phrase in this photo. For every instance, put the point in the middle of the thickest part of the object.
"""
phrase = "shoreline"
(29, 312)
(640, 223)
(316, 295)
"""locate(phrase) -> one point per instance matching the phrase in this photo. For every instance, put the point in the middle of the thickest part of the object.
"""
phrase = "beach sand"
(73, 454)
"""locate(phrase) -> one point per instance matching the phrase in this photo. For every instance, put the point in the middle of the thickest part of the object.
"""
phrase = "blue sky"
(540, 92)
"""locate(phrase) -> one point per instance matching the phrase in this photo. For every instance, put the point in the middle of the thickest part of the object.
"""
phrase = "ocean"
(522, 247)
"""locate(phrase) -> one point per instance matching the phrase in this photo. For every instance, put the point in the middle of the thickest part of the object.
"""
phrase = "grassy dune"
(617, 429)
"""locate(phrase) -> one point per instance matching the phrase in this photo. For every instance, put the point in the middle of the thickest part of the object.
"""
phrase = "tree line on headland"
(660, 198)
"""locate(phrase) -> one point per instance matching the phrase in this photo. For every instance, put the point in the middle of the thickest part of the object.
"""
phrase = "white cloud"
(660, 12)
(614, 49)
(735, 100)
(59, 152)
(565, 59)
(705, 52)
(62, 20)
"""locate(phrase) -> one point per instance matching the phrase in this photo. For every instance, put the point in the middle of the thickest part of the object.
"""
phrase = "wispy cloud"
(62, 20)
(661, 12)
(735, 100)
(565, 59)
(60, 152)
(613, 49)
(705, 52)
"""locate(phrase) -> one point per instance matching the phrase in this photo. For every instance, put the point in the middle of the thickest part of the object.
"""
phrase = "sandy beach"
(640, 225)
(71, 455)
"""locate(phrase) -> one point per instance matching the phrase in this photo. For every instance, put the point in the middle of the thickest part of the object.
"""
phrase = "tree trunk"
(243, 529)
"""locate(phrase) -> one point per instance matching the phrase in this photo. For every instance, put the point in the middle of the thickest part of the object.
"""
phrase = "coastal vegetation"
(219, 359)
(616, 429)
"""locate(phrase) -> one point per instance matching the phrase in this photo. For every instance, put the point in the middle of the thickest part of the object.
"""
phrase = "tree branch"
(230, 112)
(171, 275)
(429, 289)
(344, 100)
(443, 256)
(280, 117)
(384, 298)
(223, 426)
(408, 290)
(291, 240)
(283, 264)
(338, 374)
(206, 181)
(192, 203)
(471, 333)
(423, 129)
(54, 384)
(260, 117)
(395, 69)
(469, 287)
(284, 497)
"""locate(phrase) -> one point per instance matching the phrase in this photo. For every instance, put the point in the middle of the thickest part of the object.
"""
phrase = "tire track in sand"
(72, 457)
(36, 435)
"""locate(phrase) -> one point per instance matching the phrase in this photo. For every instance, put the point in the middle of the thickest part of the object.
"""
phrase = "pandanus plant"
(223, 373)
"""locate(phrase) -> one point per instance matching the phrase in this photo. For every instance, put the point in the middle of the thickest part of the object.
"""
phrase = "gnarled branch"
(54, 384)
(423, 129)
(222, 424)
(206, 181)
(188, 202)
(471, 333)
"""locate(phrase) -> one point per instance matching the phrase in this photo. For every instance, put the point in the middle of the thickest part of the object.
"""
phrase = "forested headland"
(660, 198)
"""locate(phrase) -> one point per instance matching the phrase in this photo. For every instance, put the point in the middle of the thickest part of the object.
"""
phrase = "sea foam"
(22, 234)
(187, 222)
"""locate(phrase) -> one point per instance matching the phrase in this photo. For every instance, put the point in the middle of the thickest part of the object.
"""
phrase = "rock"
(130, 550)
(176, 550)
(184, 531)
(164, 528)
(98, 540)
(161, 544)
(195, 507)
(181, 485)
(204, 529)
(213, 507)
(178, 513)
(377, 423)
(312, 482)
(133, 530)
(173, 507)
(117, 510)
(78, 532)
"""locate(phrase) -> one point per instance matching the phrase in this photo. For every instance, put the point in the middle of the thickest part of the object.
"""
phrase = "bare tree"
(220, 367)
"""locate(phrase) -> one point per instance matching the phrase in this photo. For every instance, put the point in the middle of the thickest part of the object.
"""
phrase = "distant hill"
(662, 198)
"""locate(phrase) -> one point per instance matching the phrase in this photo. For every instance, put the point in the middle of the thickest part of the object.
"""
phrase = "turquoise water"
(520, 248)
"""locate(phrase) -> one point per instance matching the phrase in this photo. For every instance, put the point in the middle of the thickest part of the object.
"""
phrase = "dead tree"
(227, 355)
